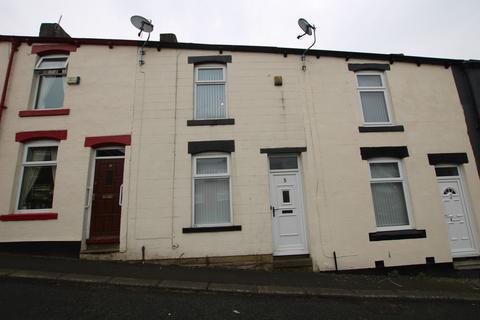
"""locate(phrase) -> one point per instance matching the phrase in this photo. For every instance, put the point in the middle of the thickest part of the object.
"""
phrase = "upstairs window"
(37, 178)
(374, 98)
(389, 193)
(210, 97)
(50, 72)
(211, 191)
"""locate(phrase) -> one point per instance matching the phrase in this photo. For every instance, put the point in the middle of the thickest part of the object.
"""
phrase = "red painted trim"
(44, 50)
(43, 112)
(29, 216)
(36, 135)
(14, 48)
(95, 142)
(113, 240)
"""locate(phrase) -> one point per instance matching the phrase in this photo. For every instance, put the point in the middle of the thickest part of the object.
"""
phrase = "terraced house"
(235, 155)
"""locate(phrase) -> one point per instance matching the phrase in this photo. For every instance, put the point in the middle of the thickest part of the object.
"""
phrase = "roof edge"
(391, 58)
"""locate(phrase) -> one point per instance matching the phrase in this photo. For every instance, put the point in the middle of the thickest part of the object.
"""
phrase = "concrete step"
(298, 263)
(467, 264)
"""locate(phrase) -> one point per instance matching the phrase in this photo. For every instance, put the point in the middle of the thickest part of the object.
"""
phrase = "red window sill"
(44, 112)
(29, 216)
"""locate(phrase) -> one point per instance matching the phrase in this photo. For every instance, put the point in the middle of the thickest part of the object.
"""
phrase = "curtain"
(211, 101)
(212, 201)
(374, 106)
(389, 204)
(30, 175)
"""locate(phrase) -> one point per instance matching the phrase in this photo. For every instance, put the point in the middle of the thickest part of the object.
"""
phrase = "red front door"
(105, 216)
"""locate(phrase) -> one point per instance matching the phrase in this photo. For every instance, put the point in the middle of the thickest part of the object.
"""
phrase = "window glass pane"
(212, 201)
(211, 165)
(278, 163)
(446, 171)
(389, 204)
(286, 196)
(42, 154)
(374, 106)
(37, 188)
(369, 80)
(53, 63)
(50, 92)
(110, 153)
(210, 74)
(211, 101)
(384, 170)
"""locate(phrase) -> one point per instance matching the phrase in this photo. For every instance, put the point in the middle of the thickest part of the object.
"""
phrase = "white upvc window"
(210, 92)
(37, 177)
(374, 98)
(50, 73)
(390, 194)
(212, 205)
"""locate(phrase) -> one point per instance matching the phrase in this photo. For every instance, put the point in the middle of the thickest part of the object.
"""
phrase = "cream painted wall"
(318, 108)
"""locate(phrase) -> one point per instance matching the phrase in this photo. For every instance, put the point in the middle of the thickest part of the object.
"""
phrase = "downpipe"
(14, 48)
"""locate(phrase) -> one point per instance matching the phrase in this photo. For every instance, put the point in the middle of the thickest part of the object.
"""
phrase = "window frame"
(24, 163)
(196, 82)
(402, 178)
(39, 73)
(383, 89)
(196, 176)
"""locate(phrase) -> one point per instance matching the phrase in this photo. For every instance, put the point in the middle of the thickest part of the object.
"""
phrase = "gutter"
(14, 48)
(111, 43)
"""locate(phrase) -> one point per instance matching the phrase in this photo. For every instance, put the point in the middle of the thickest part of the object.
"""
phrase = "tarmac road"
(40, 299)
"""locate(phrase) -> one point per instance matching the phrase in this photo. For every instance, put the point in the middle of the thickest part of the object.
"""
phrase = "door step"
(467, 264)
(100, 249)
(293, 263)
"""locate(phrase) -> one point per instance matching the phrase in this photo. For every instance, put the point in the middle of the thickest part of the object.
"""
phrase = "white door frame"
(91, 180)
(301, 211)
(471, 226)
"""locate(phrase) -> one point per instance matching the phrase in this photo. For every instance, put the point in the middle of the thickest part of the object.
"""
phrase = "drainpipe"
(15, 45)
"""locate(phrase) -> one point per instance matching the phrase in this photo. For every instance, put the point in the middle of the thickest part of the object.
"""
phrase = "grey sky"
(436, 28)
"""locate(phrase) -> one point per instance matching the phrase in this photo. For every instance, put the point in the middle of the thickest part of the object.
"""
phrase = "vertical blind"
(388, 196)
(212, 194)
(210, 98)
(389, 204)
(211, 101)
(212, 201)
(374, 106)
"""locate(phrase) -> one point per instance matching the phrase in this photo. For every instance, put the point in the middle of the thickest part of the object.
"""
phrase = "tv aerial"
(144, 25)
(307, 28)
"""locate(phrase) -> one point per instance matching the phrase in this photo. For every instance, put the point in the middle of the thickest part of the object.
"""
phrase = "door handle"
(120, 196)
(273, 210)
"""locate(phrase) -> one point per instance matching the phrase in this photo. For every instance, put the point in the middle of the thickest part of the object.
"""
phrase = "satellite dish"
(306, 27)
(142, 24)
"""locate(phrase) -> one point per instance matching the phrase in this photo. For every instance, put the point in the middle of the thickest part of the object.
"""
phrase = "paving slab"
(87, 278)
(231, 287)
(183, 285)
(31, 274)
(136, 282)
(281, 290)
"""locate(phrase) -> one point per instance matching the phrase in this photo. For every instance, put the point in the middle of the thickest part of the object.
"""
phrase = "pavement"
(450, 287)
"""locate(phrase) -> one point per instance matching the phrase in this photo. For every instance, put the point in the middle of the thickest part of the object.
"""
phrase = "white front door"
(286, 198)
(456, 213)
